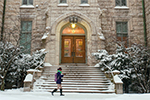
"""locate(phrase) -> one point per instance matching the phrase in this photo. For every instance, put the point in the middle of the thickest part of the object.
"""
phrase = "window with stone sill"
(121, 3)
(122, 32)
(84, 1)
(27, 2)
(62, 1)
(26, 36)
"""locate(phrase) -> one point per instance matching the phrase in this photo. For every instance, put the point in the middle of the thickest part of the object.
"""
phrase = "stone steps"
(78, 79)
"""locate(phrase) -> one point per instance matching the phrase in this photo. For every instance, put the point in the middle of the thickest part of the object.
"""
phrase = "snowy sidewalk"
(18, 95)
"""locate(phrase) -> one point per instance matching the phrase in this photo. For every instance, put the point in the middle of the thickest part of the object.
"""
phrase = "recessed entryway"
(73, 45)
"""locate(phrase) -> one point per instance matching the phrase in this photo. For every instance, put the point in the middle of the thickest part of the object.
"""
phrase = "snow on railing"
(117, 81)
(109, 69)
(28, 85)
(29, 78)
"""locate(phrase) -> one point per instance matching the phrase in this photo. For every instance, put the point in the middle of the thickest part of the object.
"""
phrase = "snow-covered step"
(83, 81)
(76, 73)
(69, 83)
(74, 85)
(86, 91)
(74, 88)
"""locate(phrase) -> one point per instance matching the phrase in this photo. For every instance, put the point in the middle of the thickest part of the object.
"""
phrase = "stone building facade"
(147, 12)
(101, 21)
(1, 12)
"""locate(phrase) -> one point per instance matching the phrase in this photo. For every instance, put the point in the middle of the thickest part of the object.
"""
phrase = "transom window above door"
(70, 30)
(62, 1)
(84, 1)
(27, 2)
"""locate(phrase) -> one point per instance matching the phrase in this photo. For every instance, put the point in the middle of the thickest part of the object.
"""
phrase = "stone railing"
(113, 76)
(32, 75)
(118, 85)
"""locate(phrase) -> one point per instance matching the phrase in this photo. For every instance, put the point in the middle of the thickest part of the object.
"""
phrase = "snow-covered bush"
(140, 62)
(133, 64)
(14, 63)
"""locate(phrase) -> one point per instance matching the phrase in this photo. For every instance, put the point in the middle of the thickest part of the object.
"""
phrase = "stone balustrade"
(32, 75)
(113, 76)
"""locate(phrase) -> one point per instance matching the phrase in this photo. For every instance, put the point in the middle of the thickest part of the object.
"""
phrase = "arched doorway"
(73, 44)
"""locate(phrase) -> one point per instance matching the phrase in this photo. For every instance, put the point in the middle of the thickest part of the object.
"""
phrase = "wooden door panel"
(73, 49)
(79, 49)
(67, 49)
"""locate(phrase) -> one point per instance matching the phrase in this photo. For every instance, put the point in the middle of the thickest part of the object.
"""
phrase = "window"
(26, 34)
(84, 1)
(122, 31)
(121, 3)
(62, 1)
(27, 2)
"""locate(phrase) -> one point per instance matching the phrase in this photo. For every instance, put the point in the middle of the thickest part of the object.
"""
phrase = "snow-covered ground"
(19, 95)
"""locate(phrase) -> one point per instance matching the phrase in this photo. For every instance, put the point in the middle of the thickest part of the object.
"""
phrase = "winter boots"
(61, 93)
(56, 90)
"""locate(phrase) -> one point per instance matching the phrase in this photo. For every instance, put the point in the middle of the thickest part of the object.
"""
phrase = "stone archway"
(53, 56)
(73, 44)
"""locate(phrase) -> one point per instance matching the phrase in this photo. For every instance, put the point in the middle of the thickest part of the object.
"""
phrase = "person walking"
(58, 81)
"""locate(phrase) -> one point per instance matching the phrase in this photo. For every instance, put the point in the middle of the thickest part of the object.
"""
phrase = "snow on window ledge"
(121, 7)
(84, 5)
(63, 5)
(27, 6)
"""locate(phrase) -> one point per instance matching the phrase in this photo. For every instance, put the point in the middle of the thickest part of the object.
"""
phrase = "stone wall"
(132, 14)
(16, 12)
(1, 14)
(12, 21)
(147, 12)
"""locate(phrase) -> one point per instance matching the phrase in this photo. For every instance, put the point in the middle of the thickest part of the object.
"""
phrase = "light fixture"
(73, 20)
(73, 25)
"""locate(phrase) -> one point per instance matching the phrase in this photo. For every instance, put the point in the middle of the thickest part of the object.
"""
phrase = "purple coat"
(59, 76)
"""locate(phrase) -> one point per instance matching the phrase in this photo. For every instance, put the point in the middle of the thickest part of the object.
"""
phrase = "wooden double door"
(73, 49)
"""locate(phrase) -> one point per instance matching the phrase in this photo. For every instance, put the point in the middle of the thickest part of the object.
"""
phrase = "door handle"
(73, 54)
